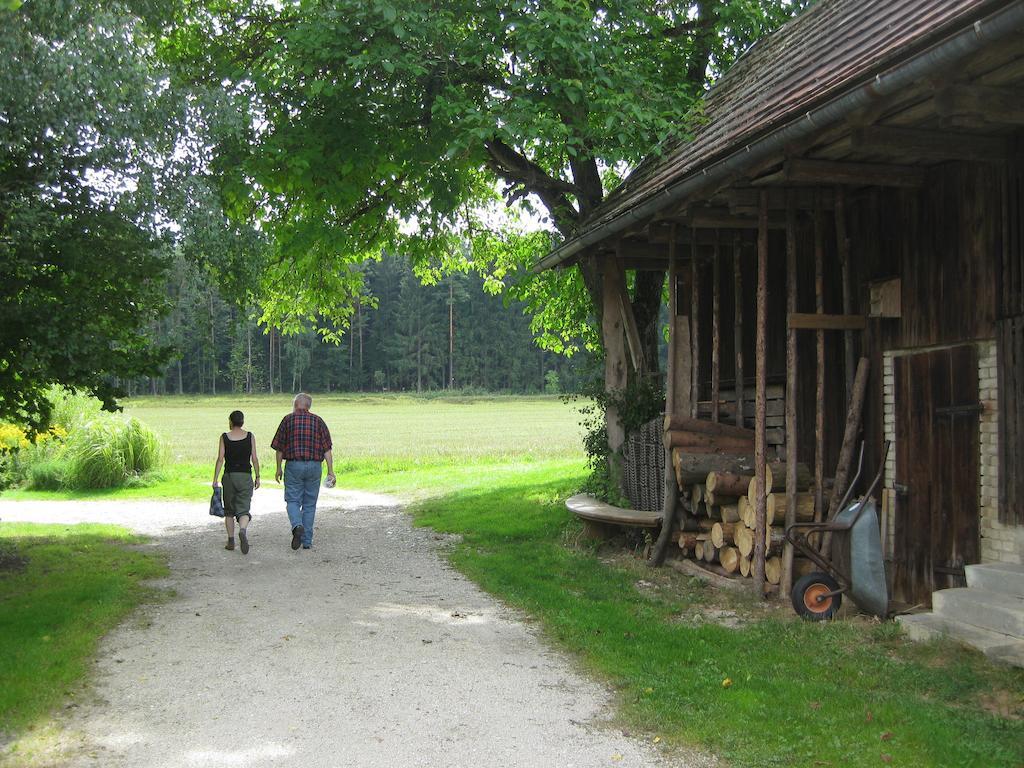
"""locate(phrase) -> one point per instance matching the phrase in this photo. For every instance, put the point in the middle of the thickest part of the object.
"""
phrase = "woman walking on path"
(237, 454)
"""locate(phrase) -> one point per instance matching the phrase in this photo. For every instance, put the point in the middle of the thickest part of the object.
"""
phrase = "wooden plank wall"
(942, 241)
(1010, 340)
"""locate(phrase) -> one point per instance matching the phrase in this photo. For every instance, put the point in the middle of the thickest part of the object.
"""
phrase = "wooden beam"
(843, 250)
(716, 340)
(673, 312)
(819, 369)
(737, 272)
(636, 350)
(830, 172)
(935, 145)
(791, 385)
(823, 322)
(694, 328)
(744, 201)
(850, 432)
(721, 218)
(991, 103)
(671, 505)
(658, 233)
(761, 370)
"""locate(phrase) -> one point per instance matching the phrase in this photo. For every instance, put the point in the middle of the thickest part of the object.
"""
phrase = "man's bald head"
(302, 402)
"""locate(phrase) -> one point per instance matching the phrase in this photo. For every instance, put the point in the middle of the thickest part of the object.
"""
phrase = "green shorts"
(237, 493)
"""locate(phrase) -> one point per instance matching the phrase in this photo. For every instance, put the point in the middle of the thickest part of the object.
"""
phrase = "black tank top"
(237, 454)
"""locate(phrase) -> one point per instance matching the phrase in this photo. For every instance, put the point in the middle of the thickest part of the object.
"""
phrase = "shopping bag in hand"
(217, 503)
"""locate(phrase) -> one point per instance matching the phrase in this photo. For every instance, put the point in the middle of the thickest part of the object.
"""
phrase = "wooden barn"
(853, 202)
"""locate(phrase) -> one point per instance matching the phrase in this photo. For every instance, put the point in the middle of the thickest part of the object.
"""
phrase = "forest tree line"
(404, 336)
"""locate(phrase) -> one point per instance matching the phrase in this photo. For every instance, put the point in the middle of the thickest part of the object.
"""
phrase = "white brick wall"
(889, 430)
(999, 543)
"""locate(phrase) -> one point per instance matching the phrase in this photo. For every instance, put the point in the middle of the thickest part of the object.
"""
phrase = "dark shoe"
(230, 545)
(297, 532)
(243, 542)
(307, 546)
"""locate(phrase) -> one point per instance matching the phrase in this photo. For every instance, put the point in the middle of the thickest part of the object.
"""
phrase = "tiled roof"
(832, 47)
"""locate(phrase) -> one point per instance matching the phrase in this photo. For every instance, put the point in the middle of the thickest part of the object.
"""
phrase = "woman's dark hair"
(237, 418)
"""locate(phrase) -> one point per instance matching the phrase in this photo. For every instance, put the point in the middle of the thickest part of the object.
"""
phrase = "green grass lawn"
(375, 437)
(392, 427)
(845, 693)
(62, 587)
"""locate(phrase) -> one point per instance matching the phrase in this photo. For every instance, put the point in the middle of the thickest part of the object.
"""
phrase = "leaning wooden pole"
(694, 325)
(843, 247)
(716, 341)
(737, 273)
(670, 505)
(791, 385)
(819, 370)
(760, 365)
(850, 432)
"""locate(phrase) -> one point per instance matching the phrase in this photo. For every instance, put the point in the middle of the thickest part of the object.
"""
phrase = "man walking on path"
(304, 442)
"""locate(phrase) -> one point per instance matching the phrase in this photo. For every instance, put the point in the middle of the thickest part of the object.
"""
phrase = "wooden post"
(791, 385)
(715, 331)
(760, 366)
(671, 502)
(614, 350)
(673, 311)
(694, 326)
(819, 388)
(843, 248)
(738, 323)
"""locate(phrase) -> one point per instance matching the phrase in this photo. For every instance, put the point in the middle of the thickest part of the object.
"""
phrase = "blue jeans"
(301, 488)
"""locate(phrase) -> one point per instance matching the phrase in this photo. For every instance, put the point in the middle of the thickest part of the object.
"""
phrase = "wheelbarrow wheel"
(811, 598)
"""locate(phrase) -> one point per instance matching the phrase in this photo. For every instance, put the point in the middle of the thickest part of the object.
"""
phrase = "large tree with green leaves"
(82, 120)
(399, 124)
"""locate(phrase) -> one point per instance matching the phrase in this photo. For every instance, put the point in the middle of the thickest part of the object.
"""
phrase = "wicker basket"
(643, 467)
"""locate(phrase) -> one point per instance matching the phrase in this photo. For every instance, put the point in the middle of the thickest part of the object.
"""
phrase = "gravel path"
(365, 651)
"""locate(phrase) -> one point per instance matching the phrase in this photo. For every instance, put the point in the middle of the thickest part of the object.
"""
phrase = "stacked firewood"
(723, 504)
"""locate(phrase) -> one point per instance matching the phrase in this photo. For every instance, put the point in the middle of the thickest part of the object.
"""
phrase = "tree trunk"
(419, 364)
(248, 362)
(213, 350)
(270, 358)
(451, 335)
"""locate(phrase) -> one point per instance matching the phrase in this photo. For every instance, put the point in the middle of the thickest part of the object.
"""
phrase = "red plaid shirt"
(302, 436)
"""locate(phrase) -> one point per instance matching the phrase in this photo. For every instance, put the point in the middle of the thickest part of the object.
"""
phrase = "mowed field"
(396, 428)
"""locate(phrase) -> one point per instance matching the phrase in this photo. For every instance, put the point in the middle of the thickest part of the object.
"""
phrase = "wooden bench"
(599, 518)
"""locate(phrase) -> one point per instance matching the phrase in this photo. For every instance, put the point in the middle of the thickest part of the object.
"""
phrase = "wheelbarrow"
(856, 540)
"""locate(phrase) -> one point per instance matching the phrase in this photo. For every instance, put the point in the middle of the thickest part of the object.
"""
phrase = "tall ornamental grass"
(108, 452)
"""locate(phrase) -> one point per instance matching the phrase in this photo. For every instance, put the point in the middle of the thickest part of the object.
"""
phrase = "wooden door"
(937, 508)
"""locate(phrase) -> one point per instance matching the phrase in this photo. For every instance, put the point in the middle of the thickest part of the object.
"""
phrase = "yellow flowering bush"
(12, 437)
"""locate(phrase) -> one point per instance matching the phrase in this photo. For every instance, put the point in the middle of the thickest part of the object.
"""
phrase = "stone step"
(996, 646)
(1007, 578)
(993, 611)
